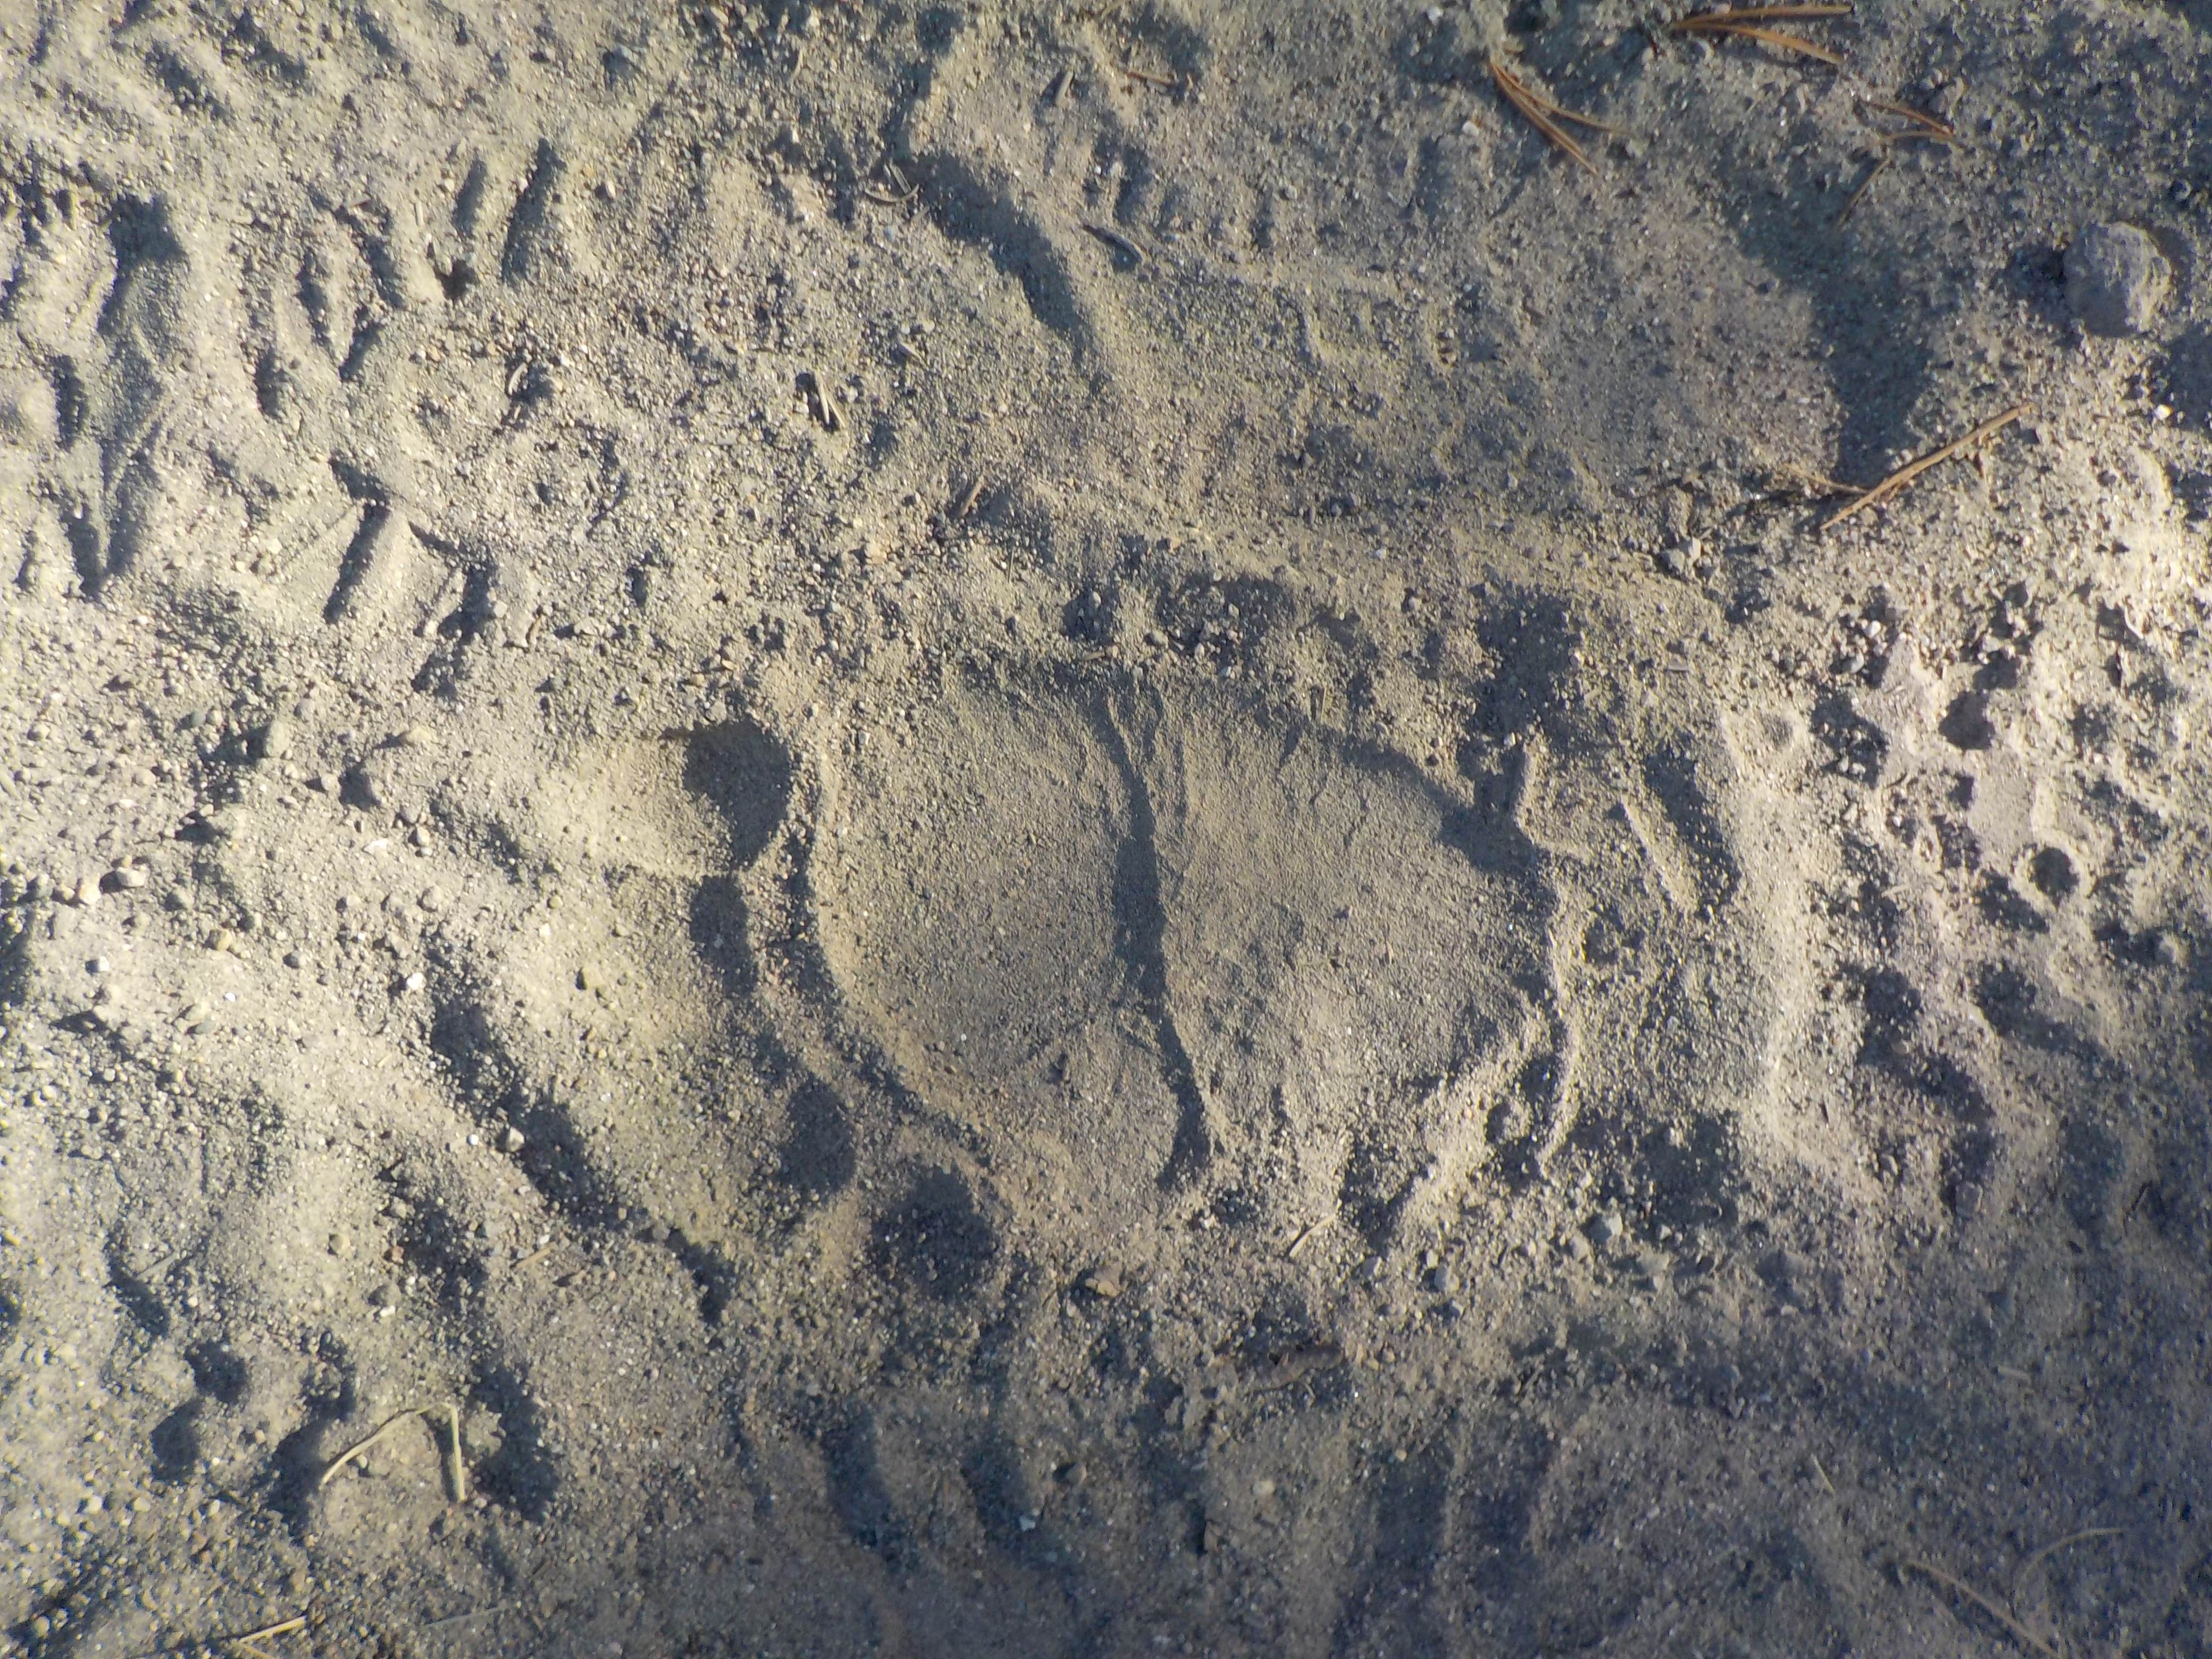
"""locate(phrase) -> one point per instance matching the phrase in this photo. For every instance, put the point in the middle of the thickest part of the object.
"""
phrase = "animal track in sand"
(1162, 930)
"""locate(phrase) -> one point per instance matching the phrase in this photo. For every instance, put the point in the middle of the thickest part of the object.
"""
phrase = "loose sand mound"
(1066, 830)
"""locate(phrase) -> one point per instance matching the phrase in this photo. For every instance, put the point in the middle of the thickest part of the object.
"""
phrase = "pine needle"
(1880, 165)
(1925, 127)
(1896, 482)
(1545, 116)
(1758, 15)
(1773, 37)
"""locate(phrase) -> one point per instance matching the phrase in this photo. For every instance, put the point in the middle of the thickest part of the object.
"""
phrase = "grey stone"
(2116, 279)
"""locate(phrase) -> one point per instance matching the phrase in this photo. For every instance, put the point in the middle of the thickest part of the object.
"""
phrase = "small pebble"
(414, 981)
(2116, 279)
(512, 1140)
(98, 965)
(1104, 1282)
(275, 738)
(434, 899)
(1263, 1489)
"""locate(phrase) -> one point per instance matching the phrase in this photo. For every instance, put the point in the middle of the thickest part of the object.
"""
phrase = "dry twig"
(1545, 116)
(1896, 482)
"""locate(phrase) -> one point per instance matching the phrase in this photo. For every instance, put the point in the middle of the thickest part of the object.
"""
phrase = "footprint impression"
(1161, 940)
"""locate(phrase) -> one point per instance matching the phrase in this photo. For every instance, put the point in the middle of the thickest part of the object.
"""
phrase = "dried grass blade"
(1905, 475)
(1533, 110)
(2084, 1536)
(2020, 1632)
(361, 1448)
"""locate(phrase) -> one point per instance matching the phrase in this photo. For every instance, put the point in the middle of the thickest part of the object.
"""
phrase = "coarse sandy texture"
(1059, 830)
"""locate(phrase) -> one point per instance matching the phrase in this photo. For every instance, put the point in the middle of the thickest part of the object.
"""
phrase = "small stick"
(1828, 1485)
(881, 200)
(521, 1262)
(1151, 78)
(1298, 1243)
(1539, 112)
(457, 1470)
(2020, 1632)
(1905, 475)
(362, 1448)
(965, 503)
(1114, 240)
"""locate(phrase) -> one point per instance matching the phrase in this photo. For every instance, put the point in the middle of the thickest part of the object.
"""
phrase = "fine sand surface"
(1005, 829)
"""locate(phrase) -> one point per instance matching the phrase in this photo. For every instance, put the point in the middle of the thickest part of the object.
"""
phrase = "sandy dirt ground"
(1022, 828)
